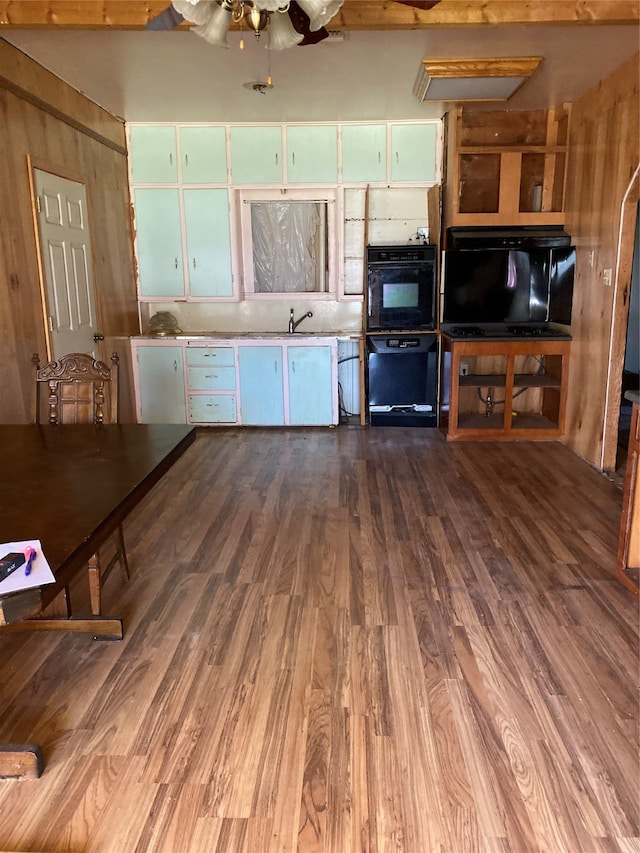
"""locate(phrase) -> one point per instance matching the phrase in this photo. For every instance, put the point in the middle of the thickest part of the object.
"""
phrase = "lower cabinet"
(267, 383)
(310, 385)
(261, 385)
(211, 384)
(159, 384)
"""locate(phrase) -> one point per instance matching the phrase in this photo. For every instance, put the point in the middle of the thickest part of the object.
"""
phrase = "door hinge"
(38, 206)
(50, 323)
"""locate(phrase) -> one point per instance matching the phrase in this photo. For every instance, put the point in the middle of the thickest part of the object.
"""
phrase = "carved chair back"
(80, 389)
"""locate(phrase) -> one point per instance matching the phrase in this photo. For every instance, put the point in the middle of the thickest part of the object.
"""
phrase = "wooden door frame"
(65, 174)
(619, 320)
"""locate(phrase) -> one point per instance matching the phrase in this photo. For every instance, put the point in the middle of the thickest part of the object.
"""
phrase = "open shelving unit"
(504, 389)
(506, 168)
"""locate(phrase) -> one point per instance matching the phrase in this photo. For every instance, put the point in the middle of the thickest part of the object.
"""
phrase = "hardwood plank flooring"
(344, 640)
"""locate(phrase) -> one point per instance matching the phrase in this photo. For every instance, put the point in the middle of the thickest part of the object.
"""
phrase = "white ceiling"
(175, 76)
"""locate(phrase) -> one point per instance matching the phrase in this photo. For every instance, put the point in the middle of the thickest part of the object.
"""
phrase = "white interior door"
(67, 264)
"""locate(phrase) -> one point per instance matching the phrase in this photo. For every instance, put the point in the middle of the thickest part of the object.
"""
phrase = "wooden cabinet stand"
(504, 390)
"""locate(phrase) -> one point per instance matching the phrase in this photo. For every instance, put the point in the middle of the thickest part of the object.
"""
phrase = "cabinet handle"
(276, 158)
(194, 263)
(186, 159)
(211, 376)
(293, 158)
(397, 157)
(175, 365)
(170, 159)
(209, 355)
(212, 405)
(275, 366)
(293, 367)
(379, 158)
(175, 261)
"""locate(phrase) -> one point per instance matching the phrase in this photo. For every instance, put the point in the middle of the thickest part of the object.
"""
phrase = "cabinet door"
(206, 216)
(261, 386)
(364, 153)
(312, 154)
(310, 385)
(203, 155)
(160, 385)
(413, 152)
(153, 155)
(256, 155)
(159, 242)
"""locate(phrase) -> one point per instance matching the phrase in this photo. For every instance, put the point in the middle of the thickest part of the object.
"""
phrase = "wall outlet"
(424, 233)
(464, 368)
(607, 274)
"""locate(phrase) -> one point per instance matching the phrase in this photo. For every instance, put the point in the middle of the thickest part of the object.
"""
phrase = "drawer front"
(205, 356)
(211, 378)
(212, 409)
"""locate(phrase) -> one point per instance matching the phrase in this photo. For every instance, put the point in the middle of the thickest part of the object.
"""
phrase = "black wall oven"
(401, 288)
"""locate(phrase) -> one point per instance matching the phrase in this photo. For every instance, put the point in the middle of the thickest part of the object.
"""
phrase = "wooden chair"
(83, 390)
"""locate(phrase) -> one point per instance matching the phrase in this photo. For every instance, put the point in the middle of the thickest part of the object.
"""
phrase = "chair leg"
(95, 585)
(123, 554)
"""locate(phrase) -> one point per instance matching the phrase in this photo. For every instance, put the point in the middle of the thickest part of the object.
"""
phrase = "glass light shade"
(282, 33)
(269, 5)
(195, 11)
(320, 12)
(215, 31)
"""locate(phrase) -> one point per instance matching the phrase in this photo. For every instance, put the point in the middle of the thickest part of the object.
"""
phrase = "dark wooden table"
(71, 487)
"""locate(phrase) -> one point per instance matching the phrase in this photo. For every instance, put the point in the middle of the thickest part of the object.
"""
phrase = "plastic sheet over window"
(289, 246)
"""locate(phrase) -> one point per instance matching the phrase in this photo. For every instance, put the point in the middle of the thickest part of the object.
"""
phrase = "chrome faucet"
(293, 324)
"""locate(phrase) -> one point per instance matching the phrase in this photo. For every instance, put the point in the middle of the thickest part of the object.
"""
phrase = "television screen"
(398, 294)
(496, 286)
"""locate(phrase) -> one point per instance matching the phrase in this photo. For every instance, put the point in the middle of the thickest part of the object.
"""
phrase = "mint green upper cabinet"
(312, 154)
(206, 216)
(159, 242)
(203, 155)
(364, 153)
(310, 385)
(256, 155)
(153, 153)
(261, 385)
(413, 152)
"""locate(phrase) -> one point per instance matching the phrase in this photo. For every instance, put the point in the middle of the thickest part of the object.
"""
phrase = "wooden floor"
(344, 640)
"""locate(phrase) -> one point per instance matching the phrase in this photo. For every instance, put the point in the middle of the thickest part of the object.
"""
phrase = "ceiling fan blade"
(167, 20)
(300, 21)
(419, 4)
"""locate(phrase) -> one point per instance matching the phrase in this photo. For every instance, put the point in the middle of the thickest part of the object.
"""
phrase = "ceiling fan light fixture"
(282, 33)
(195, 11)
(320, 12)
(479, 79)
(216, 29)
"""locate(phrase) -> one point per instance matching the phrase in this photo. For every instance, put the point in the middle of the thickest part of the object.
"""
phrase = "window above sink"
(290, 243)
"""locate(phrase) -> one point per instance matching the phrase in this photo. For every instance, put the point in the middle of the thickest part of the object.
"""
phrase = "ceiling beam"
(354, 14)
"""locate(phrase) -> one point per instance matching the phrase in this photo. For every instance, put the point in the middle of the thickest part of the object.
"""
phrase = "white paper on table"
(40, 574)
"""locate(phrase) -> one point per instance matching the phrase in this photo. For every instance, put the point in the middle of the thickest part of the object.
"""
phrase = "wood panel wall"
(603, 157)
(47, 123)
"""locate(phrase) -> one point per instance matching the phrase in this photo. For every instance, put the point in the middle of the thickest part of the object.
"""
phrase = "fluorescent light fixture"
(484, 79)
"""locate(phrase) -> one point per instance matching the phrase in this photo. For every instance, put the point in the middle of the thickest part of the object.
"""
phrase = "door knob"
(98, 337)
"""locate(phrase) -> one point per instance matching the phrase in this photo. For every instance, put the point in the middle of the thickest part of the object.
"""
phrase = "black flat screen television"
(521, 286)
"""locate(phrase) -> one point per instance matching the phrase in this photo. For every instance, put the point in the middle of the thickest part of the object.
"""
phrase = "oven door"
(400, 296)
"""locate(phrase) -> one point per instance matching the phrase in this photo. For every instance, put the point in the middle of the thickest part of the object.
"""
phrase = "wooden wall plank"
(29, 133)
(603, 155)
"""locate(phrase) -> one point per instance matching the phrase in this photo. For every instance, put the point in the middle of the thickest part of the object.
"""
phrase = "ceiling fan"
(296, 22)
